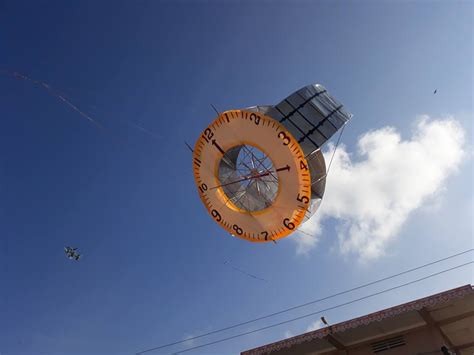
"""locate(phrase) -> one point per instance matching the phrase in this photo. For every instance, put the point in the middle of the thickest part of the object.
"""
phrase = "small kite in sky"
(434, 92)
(71, 253)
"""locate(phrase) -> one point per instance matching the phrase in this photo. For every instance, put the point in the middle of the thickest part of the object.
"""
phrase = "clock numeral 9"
(207, 135)
(216, 215)
(203, 188)
(255, 118)
(288, 224)
(286, 139)
(304, 199)
(237, 229)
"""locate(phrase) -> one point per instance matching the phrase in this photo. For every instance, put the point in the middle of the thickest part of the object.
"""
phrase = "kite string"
(335, 149)
(53, 93)
(243, 272)
(332, 156)
(327, 171)
(59, 95)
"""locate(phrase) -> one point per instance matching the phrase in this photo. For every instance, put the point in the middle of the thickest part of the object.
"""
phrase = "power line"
(323, 310)
(305, 304)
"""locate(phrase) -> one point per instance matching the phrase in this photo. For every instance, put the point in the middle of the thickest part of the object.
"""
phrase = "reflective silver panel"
(248, 178)
(311, 115)
(317, 169)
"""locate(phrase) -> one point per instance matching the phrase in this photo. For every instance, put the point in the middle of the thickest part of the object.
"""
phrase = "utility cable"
(307, 303)
(324, 310)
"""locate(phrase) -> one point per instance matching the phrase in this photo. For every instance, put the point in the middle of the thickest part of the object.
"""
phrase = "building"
(439, 324)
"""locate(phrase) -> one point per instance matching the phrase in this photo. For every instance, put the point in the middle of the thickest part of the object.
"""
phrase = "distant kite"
(72, 253)
(434, 92)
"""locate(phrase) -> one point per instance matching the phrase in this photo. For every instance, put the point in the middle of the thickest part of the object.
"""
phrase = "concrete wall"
(426, 340)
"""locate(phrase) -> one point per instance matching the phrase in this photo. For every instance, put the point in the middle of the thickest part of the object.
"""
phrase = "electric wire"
(323, 310)
(307, 303)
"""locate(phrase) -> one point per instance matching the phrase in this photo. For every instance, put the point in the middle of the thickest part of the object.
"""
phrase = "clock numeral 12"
(207, 135)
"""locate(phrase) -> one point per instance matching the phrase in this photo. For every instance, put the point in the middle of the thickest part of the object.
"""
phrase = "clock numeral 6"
(264, 234)
(304, 199)
(203, 188)
(207, 135)
(255, 118)
(288, 224)
(216, 215)
(237, 229)
(286, 139)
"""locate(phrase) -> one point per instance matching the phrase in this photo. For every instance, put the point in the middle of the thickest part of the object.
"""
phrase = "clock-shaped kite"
(259, 170)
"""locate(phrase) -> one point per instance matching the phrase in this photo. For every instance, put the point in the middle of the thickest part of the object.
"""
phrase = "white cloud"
(315, 326)
(189, 339)
(318, 324)
(307, 240)
(372, 193)
(288, 334)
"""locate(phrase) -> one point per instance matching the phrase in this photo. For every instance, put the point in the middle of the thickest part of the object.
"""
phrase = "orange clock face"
(252, 176)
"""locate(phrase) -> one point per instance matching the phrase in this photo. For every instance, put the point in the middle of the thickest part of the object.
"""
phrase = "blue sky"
(153, 268)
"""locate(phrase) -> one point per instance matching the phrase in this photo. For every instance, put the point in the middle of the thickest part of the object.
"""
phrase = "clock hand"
(240, 180)
(268, 172)
(287, 167)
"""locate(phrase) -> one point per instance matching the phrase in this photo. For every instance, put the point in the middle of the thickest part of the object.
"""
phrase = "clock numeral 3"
(286, 139)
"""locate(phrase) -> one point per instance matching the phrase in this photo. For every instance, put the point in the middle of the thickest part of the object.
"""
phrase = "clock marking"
(247, 190)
